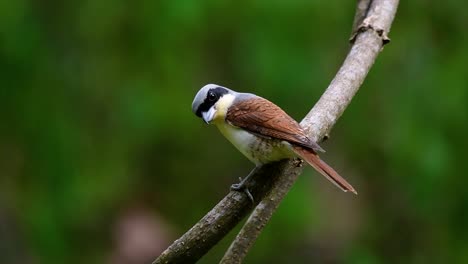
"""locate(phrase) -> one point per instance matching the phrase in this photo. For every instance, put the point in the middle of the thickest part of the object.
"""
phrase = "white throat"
(217, 113)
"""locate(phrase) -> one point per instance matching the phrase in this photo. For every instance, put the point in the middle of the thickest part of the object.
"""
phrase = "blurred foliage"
(95, 114)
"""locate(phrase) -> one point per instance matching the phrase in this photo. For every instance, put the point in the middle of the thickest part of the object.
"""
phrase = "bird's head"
(212, 101)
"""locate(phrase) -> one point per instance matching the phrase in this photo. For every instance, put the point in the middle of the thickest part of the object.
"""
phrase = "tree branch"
(277, 178)
(362, 7)
(325, 113)
(224, 216)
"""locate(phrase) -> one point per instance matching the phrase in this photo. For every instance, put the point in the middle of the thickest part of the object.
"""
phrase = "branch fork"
(270, 184)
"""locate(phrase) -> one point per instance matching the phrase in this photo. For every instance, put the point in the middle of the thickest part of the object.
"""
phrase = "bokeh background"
(102, 160)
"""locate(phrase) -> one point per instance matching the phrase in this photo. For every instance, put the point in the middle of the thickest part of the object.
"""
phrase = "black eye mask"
(212, 97)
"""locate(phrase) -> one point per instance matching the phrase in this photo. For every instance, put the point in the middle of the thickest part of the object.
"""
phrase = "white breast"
(257, 149)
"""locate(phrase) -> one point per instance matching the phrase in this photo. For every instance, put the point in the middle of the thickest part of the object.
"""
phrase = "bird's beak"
(209, 115)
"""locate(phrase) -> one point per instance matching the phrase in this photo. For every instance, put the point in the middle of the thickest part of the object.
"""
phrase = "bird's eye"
(212, 96)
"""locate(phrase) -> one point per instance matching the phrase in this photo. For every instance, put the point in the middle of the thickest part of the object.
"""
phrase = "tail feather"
(319, 165)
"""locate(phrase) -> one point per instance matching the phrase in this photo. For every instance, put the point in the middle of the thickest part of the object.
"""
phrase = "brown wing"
(266, 119)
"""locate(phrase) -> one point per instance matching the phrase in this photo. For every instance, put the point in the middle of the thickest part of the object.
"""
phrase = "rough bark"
(368, 40)
(215, 225)
(272, 182)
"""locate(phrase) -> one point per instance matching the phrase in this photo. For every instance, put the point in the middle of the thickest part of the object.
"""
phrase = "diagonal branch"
(271, 183)
(215, 225)
(368, 42)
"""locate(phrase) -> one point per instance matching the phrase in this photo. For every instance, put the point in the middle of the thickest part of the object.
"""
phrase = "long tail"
(313, 159)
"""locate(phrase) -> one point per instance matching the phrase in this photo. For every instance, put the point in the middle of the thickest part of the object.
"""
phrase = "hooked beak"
(209, 115)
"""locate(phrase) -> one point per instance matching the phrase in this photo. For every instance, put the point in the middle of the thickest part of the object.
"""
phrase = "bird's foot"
(298, 162)
(240, 187)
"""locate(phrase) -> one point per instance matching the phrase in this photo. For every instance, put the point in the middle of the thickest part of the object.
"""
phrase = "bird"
(261, 131)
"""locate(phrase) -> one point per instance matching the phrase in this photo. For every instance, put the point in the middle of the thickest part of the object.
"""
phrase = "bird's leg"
(241, 185)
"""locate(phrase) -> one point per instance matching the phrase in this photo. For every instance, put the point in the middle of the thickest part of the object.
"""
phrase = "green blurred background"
(102, 160)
